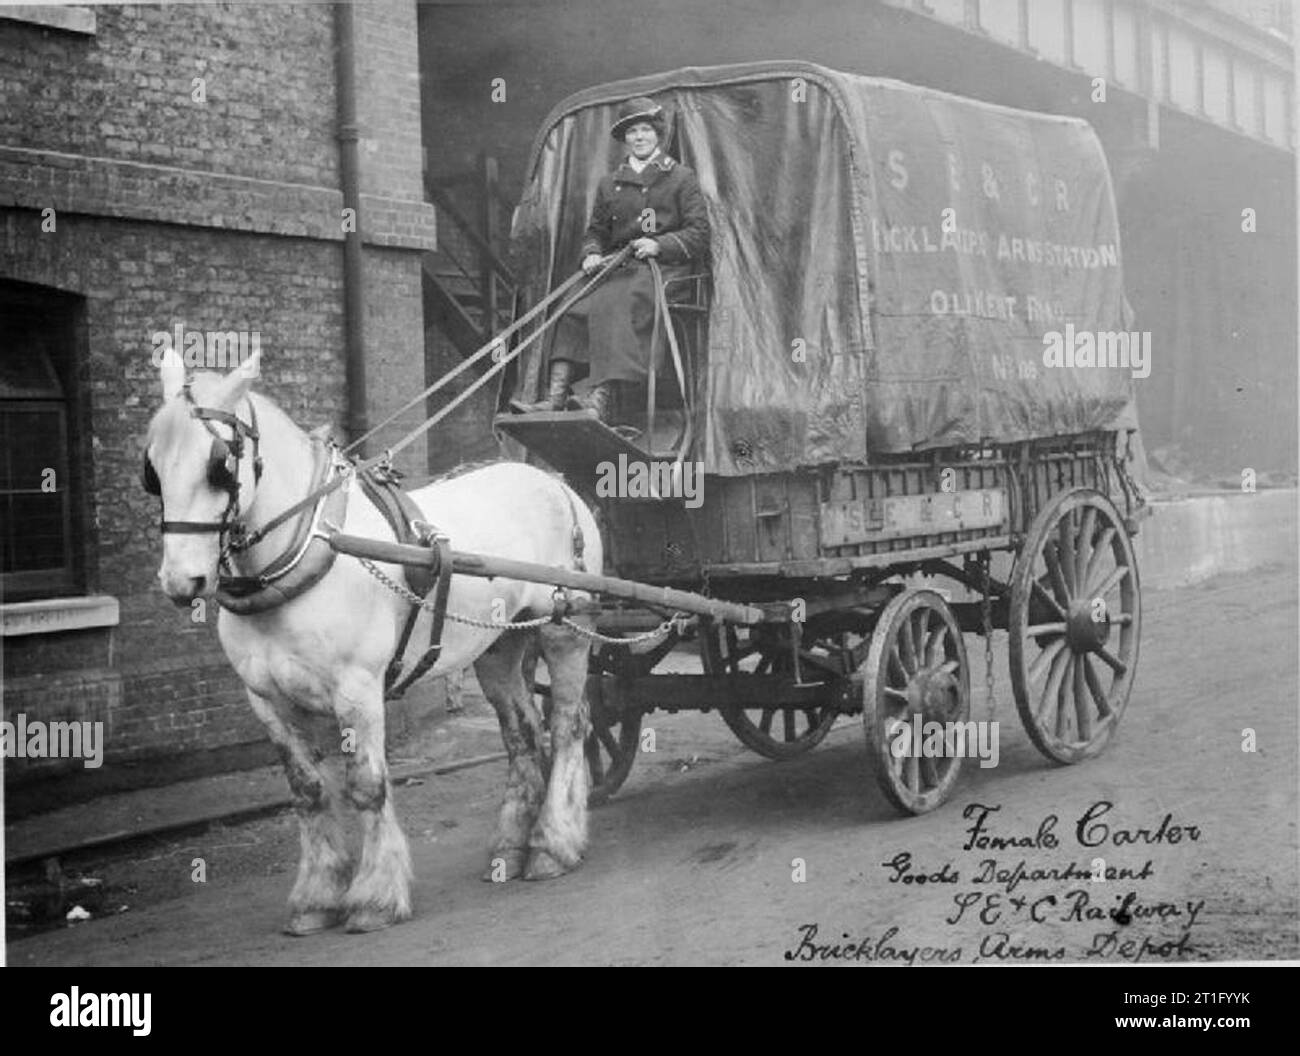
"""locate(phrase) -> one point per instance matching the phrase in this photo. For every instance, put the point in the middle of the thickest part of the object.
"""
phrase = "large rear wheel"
(1076, 616)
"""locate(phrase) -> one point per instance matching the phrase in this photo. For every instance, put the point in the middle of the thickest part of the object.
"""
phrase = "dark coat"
(607, 334)
(662, 201)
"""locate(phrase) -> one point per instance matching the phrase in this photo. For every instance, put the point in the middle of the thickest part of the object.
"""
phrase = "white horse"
(324, 652)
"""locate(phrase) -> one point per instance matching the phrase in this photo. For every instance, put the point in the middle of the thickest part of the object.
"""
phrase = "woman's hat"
(638, 109)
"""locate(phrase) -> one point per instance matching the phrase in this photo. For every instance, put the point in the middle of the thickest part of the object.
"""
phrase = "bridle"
(224, 458)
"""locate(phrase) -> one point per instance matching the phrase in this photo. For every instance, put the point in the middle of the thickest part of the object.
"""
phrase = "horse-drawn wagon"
(857, 396)
(859, 380)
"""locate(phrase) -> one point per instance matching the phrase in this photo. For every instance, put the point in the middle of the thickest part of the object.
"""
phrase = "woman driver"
(654, 203)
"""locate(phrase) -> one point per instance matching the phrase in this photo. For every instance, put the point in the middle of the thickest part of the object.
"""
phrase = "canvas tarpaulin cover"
(886, 260)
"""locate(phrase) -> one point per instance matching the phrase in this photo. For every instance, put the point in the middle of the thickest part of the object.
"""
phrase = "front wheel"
(611, 746)
(916, 675)
(775, 731)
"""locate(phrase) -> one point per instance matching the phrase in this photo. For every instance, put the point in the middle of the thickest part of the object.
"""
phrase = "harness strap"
(380, 485)
(236, 586)
(393, 688)
(192, 527)
(235, 446)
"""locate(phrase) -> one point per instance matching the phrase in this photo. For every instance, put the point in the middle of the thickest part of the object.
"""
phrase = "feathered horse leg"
(505, 674)
(380, 894)
(559, 839)
(324, 867)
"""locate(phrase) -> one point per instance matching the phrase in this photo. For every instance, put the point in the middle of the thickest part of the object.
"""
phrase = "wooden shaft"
(488, 566)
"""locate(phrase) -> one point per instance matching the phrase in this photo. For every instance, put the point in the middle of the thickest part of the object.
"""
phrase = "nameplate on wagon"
(904, 516)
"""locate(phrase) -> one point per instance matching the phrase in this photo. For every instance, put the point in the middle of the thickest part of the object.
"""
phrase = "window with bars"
(37, 464)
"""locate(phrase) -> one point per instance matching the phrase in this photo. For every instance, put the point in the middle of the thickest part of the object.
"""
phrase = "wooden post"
(487, 566)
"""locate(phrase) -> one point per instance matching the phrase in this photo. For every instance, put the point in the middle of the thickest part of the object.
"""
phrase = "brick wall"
(125, 91)
(222, 215)
(389, 107)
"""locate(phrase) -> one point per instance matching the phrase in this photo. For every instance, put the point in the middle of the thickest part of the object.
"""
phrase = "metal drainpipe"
(350, 183)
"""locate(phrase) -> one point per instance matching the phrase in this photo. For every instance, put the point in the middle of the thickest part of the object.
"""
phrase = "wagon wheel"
(916, 666)
(796, 730)
(611, 746)
(1075, 621)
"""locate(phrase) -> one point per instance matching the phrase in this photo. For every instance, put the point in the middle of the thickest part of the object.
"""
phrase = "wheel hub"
(934, 695)
(1084, 633)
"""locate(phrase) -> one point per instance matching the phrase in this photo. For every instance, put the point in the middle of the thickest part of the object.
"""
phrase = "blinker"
(222, 471)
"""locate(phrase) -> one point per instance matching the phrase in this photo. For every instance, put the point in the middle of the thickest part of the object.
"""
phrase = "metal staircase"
(469, 289)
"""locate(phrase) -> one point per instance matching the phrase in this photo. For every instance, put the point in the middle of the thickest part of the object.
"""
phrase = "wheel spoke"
(611, 745)
(914, 771)
(896, 663)
(896, 694)
(1098, 555)
(765, 723)
(907, 647)
(934, 644)
(1043, 593)
(1116, 664)
(1043, 659)
(814, 720)
(930, 773)
(1109, 583)
(1040, 629)
(1123, 619)
(1081, 710)
(949, 667)
(1095, 687)
(595, 764)
(1062, 590)
(1083, 551)
(1050, 693)
(1063, 691)
(787, 717)
(1065, 551)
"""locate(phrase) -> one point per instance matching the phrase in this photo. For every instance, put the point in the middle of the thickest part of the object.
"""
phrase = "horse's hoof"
(544, 866)
(311, 921)
(370, 919)
(508, 865)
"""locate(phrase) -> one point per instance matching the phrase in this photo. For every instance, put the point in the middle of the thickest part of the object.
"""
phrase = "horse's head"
(202, 460)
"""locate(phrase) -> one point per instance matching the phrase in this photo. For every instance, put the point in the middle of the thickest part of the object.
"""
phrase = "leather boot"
(601, 400)
(557, 390)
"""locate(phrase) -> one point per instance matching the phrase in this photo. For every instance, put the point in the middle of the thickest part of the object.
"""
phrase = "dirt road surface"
(713, 855)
